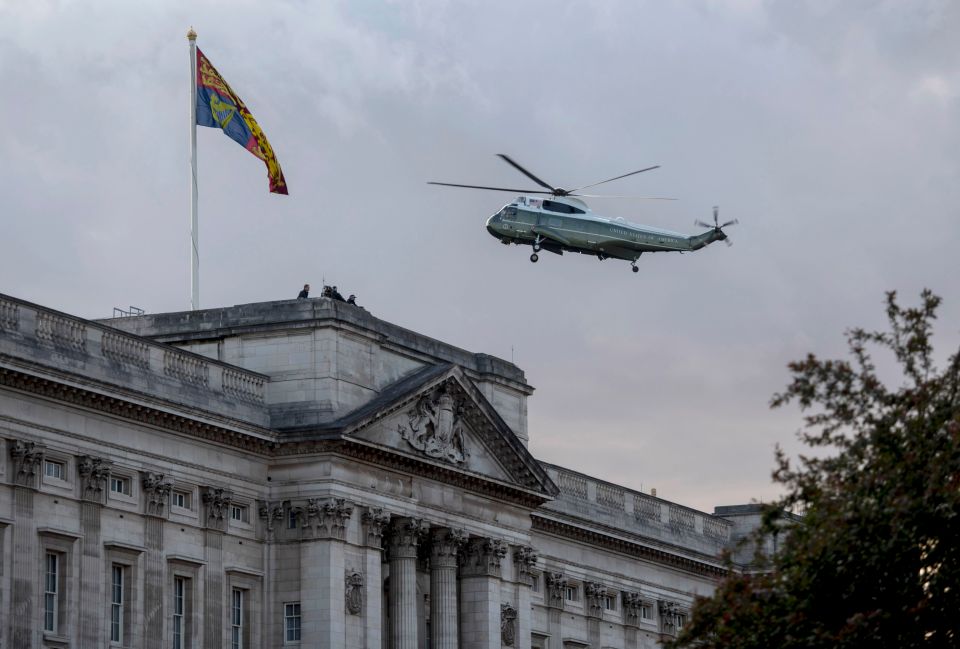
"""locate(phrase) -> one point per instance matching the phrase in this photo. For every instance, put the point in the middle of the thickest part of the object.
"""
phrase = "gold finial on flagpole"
(191, 35)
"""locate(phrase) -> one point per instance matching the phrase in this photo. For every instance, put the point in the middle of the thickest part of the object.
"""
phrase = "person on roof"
(305, 293)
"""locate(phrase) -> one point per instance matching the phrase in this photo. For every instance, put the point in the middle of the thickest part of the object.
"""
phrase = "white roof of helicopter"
(536, 202)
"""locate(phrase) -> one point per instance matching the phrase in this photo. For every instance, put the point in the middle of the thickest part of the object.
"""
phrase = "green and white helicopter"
(563, 222)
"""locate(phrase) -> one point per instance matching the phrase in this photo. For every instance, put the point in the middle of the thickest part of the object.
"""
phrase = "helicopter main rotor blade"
(639, 171)
(728, 242)
(733, 222)
(639, 198)
(495, 189)
(701, 224)
(526, 173)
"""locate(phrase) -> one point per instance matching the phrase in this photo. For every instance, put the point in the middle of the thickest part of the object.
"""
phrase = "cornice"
(140, 413)
(636, 549)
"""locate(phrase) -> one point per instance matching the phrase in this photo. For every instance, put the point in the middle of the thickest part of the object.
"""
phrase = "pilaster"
(323, 564)
(156, 492)
(480, 611)
(93, 472)
(216, 501)
(525, 571)
(556, 584)
(373, 522)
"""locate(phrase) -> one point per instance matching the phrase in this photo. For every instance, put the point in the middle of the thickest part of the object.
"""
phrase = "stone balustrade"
(99, 352)
(637, 512)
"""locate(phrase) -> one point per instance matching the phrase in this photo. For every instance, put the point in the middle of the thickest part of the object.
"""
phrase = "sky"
(829, 129)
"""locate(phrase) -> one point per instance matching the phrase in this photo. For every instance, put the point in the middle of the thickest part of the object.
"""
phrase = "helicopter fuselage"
(563, 224)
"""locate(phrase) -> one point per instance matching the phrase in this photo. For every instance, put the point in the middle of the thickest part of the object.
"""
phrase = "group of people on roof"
(330, 292)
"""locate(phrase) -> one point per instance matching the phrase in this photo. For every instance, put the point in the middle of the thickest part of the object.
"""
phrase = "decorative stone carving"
(668, 612)
(94, 473)
(156, 491)
(595, 593)
(354, 592)
(483, 556)
(508, 625)
(556, 584)
(324, 519)
(435, 427)
(525, 560)
(374, 520)
(270, 513)
(216, 500)
(445, 544)
(26, 460)
(403, 537)
(632, 603)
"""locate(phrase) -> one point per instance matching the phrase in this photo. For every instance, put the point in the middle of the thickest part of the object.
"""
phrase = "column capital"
(270, 512)
(631, 608)
(156, 491)
(404, 536)
(482, 557)
(525, 559)
(324, 518)
(556, 583)
(594, 593)
(216, 501)
(374, 520)
(26, 460)
(93, 472)
(445, 544)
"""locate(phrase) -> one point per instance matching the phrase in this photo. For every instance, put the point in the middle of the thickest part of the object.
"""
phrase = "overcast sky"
(830, 129)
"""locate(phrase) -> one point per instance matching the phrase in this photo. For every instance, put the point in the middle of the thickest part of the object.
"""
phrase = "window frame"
(292, 614)
(119, 478)
(188, 570)
(51, 596)
(60, 543)
(119, 601)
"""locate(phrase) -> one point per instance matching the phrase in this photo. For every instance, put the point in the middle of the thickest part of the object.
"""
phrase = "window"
(610, 602)
(51, 592)
(54, 469)
(291, 622)
(181, 499)
(181, 639)
(120, 485)
(117, 598)
(240, 513)
(291, 519)
(681, 620)
(570, 593)
(236, 619)
(536, 583)
(563, 208)
(645, 613)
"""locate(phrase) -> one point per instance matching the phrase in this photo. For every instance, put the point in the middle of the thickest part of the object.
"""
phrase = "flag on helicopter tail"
(218, 106)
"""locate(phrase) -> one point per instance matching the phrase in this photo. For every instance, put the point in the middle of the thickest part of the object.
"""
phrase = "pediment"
(444, 420)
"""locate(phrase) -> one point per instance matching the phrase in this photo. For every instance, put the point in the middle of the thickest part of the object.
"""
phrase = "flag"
(219, 107)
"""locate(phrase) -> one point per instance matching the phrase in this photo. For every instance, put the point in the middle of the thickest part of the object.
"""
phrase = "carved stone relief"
(94, 473)
(26, 460)
(632, 602)
(668, 612)
(435, 427)
(354, 592)
(525, 560)
(156, 491)
(270, 513)
(483, 557)
(556, 584)
(508, 625)
(595, 593)
(216, 500)
(374, 521)
(324, 519)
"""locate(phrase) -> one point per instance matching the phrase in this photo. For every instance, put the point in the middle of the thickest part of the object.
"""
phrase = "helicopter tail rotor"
(716, 226)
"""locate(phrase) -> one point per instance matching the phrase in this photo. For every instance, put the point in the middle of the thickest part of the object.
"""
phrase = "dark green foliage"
(875, 560)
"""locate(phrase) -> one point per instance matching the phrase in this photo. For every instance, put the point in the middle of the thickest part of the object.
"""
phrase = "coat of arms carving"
(435, 427)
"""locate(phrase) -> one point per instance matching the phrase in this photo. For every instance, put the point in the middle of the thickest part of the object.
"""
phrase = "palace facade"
(300, 474)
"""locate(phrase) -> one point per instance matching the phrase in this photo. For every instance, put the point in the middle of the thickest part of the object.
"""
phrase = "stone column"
(403, 541)
(374, 522)
(216, 502)
(631, 618)
(480, 611)
(156, 493)
(444, 548)
(525, 571)
(25, 594)
(93, 473)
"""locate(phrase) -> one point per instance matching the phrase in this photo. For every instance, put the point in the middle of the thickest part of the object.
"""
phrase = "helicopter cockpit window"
(563, 208)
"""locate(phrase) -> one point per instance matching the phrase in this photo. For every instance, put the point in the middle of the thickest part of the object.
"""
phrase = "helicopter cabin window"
(563, 208)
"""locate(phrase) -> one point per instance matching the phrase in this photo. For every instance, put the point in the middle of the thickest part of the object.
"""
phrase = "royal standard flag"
(219, 107)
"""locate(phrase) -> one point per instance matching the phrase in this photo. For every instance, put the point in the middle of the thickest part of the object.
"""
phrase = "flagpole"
(194, 238)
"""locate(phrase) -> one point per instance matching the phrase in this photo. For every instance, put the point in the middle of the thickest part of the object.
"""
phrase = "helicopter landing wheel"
(635, 269)
(536, 247)
(534, 257)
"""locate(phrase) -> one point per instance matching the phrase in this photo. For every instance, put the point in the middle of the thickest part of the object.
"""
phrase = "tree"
(875, 559)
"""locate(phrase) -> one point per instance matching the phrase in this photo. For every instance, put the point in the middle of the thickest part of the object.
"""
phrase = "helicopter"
(564, 223)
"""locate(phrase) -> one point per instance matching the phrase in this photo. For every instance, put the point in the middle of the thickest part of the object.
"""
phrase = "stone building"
(302, 474)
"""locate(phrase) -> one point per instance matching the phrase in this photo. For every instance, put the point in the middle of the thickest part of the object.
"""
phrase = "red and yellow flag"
(218, 106)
